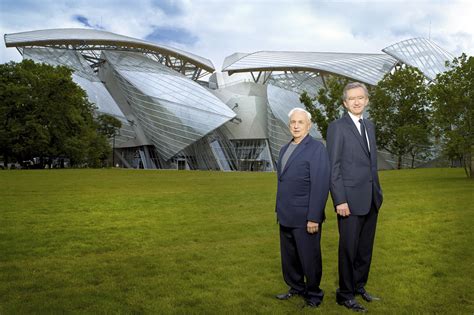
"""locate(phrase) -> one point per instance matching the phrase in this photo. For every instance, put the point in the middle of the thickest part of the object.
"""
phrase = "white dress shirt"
(355, 119)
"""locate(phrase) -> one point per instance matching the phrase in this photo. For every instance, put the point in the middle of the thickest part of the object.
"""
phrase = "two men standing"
(356, 194)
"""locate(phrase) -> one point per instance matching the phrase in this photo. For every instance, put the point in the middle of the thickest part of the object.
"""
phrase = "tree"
(452, 97)
(109, 126)
(400, 110)
(44, 114)
(330, 99)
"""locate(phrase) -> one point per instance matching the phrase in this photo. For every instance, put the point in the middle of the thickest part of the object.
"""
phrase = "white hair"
(299, 109)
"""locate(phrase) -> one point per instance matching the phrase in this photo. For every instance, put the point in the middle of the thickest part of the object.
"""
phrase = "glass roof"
(368, 68)
(421, 53)
(81, 36)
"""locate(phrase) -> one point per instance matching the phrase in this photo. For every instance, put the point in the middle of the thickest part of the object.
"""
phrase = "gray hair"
(299, 109)
(354, 85)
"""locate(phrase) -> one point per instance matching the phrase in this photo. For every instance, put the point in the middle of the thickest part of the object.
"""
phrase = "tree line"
(413, 116)
(46, 116)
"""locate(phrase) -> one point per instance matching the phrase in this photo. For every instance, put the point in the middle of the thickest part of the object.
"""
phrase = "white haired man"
(303, 188)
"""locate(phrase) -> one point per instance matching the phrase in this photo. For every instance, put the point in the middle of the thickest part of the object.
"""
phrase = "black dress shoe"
(353, 306)
(367, 297)
(285, 296)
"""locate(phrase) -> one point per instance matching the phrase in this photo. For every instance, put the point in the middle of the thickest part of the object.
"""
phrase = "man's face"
(299, 125)
(356, 101)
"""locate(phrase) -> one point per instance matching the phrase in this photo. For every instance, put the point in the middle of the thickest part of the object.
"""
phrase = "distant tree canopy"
(453, 102)
(330, 99)
(400, 110)
(108, 125)
(44, 114)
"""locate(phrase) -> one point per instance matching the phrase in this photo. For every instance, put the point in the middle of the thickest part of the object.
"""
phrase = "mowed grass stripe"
(136, 241)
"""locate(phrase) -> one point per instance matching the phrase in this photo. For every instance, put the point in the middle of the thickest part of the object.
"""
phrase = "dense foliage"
(44, 115)
(453, 101)
(400, 110)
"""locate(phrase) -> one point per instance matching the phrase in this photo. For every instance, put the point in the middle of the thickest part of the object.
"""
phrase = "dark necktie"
(362, 131)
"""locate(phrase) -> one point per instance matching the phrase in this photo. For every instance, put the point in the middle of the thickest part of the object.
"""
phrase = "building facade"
(178, 112)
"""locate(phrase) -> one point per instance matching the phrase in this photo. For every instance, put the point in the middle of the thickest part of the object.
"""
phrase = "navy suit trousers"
(300, 259)
(356, 240)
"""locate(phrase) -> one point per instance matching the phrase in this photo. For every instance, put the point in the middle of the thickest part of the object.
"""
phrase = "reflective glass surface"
(368, 68)
(298, 82)
(421, 53)
(173, 110)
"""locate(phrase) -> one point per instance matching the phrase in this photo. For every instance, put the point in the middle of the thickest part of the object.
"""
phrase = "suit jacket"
(303, 185)
(354, 177)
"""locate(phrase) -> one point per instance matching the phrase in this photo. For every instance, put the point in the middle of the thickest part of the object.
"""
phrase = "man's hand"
(312, 227)
(343, 210)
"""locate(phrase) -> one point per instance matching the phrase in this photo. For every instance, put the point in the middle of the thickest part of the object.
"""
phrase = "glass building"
(177, 112)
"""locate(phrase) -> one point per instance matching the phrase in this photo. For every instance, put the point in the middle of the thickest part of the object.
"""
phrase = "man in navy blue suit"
(303, 188)
(356, 194)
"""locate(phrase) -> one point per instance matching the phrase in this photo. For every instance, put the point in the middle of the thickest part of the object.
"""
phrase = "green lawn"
(131, 241)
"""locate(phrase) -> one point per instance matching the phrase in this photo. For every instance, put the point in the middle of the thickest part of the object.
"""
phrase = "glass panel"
(174, 111)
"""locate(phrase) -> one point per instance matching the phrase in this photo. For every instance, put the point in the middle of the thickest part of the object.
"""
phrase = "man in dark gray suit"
(303, 188)
(356, 193)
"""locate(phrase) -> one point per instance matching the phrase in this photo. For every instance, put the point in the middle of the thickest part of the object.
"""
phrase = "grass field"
(130, 241)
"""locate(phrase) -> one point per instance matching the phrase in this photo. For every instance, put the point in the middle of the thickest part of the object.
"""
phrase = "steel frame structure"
(90, 48)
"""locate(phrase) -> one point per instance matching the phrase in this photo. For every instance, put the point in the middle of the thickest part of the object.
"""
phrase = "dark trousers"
(356, 241)
(300, 259)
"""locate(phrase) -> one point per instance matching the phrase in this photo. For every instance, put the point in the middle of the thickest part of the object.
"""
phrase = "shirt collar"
(355, 119)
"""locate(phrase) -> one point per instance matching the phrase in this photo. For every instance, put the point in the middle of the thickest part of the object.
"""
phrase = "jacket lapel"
(297, 151)
(282, 152)
(356, 133)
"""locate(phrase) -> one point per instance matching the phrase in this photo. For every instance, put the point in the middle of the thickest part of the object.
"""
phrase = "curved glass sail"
(173, 110)
(421, 53)
(368, 68)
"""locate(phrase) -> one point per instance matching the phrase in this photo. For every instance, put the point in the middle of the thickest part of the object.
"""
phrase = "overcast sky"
(215, 29)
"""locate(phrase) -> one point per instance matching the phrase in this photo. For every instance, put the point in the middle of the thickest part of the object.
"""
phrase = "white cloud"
(223, 28)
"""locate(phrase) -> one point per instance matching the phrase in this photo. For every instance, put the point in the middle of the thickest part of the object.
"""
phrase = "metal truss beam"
(91, 54)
